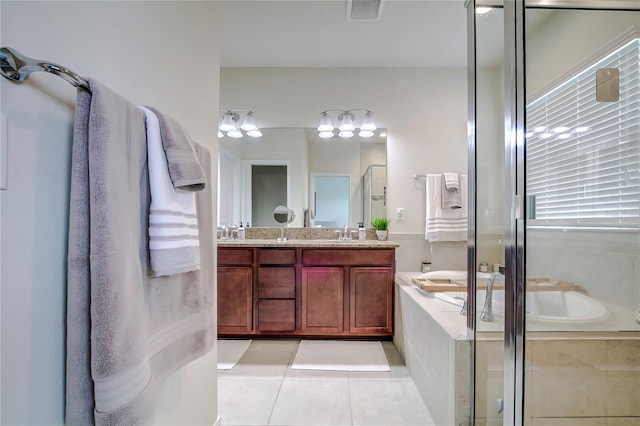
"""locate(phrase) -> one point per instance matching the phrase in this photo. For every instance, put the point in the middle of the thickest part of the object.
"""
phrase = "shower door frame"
(515, 189)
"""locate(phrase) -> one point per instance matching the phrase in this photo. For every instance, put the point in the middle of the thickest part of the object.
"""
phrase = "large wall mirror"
(342, 181)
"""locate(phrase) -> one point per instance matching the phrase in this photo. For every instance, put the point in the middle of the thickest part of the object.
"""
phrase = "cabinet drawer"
(277, 256)
(348, 257)
(277, 282)
(276, 315)
(235, 256)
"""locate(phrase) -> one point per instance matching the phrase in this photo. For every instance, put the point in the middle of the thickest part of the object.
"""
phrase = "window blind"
(583, 156)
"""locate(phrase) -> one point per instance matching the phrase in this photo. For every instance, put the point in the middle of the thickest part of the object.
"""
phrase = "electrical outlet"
(400, 213)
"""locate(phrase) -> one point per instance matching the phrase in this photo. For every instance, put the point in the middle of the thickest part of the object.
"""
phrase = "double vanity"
(305, 288)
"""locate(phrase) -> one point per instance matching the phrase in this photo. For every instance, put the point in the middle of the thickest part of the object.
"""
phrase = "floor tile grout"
(350, 379)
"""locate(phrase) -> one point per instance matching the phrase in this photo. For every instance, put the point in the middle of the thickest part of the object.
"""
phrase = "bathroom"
(33, 298)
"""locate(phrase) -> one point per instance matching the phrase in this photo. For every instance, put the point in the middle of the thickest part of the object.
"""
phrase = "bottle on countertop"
(362, 233)
(240, 231)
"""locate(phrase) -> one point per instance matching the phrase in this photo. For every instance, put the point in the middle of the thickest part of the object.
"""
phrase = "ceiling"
(317, 33)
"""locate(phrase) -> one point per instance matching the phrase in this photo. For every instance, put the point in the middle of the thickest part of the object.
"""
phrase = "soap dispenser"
(362, 233)
(240, 232)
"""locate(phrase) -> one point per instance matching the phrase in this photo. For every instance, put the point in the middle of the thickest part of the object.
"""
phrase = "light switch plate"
(4, 136)
(400, 213)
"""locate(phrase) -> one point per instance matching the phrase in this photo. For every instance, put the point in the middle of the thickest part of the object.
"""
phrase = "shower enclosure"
(554, 152)
(374, 193)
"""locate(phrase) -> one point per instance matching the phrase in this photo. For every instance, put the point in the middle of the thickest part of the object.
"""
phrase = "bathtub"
(551, 310)
(566, 328)
(542, 306)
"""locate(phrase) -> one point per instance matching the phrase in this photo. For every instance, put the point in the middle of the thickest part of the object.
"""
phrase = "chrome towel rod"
(416, 177)
(17, 67)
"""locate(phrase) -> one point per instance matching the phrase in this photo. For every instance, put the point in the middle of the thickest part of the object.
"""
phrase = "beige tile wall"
(567, 382)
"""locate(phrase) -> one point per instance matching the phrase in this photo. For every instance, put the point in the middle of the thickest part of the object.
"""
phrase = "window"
(583, 156)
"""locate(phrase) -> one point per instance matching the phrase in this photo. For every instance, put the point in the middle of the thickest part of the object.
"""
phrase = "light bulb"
(367, 122)
(249, 123)
(254, 133)
(325, 123)
(235, 133)
(365, 133)
(346, 134)
(325, 134)
(346, 123)
(228, 122)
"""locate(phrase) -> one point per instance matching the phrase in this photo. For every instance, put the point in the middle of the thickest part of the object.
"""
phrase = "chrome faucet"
(224, 232)
(487, 310)
(463, 311)
(344, 234)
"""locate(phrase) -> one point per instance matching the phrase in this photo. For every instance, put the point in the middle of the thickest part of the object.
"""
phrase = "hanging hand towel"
(451, 181)
(126, 331)
(444, 224)
(173, 226)
(451, 198)
(184, 169)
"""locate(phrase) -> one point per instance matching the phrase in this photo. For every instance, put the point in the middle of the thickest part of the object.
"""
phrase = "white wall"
(424, 110)
(136, 48)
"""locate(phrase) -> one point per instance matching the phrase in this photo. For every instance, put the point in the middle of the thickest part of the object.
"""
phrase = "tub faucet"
(487, 310)
(463, 311)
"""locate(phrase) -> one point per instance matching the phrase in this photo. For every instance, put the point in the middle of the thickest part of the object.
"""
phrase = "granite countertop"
(321, 243)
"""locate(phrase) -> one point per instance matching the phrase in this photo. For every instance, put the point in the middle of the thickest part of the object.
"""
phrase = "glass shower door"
(582, 232)
(487, 177)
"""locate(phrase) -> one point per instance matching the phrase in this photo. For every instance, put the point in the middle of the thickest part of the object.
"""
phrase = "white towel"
(451, 181)
(173, 226)
(445, 224)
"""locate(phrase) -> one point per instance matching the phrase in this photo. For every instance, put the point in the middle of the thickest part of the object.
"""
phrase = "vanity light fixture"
(347, 125)
(233, 126)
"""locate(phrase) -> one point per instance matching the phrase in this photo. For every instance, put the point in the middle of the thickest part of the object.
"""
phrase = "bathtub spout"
(463, 311)
(487, 310)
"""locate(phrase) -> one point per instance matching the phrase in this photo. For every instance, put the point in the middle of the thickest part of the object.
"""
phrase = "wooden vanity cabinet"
(235, 291)
(347, 292)
(305, 292)
(276, 298)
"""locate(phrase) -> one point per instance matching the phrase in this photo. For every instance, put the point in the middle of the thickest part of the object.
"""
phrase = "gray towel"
(125, 331)
(451, 198)
(185, 170)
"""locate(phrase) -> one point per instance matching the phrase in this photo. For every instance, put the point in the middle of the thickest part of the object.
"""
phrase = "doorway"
(265, 186)
(331, 199)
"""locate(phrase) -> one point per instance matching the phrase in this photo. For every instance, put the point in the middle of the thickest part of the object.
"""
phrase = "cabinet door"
(235, 300)
(322, 300)
(371, 300)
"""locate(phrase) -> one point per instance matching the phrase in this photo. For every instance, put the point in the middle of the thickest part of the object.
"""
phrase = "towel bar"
(17, 67)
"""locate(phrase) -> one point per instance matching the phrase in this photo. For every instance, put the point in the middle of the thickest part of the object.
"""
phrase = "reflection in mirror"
(305, 156)
(331, 200)
(374, 193)
(268, 184)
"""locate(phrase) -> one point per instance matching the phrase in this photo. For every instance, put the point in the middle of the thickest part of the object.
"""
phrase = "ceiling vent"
(363, 9)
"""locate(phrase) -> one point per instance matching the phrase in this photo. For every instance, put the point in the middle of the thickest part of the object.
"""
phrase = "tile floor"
(262, 389)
